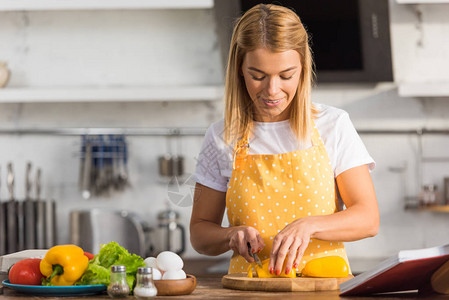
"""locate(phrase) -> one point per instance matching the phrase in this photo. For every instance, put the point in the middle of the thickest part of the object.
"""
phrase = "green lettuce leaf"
(99, 268)
(95, 274)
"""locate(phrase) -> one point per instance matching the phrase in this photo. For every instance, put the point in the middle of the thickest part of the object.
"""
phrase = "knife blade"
(254, 255)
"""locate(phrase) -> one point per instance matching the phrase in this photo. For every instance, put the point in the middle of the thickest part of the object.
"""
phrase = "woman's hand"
(290, 244)
(241, 236)
(357, 192)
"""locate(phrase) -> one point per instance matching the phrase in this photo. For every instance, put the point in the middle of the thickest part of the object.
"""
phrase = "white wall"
(420, 42)
(179, 47)
(401, 229)
(106, 48)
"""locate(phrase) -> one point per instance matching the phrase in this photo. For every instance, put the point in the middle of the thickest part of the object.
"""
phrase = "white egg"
(157, 275)
(169, 261)
(150, 262)
(179, 274)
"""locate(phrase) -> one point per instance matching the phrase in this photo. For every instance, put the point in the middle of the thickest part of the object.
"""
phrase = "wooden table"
(210, 288)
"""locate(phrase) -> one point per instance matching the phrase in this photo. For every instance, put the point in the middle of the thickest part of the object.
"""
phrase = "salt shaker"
(145, 288)
(118, 287)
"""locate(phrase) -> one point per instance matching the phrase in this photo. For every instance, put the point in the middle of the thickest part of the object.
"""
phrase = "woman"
(274, 160)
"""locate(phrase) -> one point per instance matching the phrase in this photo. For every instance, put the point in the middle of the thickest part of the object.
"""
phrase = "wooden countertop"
(211, 288)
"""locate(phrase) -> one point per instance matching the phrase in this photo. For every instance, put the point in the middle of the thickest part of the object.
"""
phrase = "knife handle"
(10, 180)
(28, 181)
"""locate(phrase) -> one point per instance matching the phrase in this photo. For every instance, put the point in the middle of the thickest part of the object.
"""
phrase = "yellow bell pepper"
(327, 266)
(263, 272)
(63, 265)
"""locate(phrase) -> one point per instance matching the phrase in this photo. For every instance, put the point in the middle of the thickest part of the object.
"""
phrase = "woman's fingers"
(273, 255)
(282, 254)
(292, 255)
(245, 238)
(302, 248)
(243, 251)
(289, 246)
(288, 253)
(261, 243)
(278, 253)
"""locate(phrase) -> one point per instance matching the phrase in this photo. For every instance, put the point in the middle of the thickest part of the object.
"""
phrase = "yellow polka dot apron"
(268, 192)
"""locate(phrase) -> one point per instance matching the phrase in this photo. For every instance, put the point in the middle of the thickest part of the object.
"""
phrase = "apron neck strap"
(316, 140)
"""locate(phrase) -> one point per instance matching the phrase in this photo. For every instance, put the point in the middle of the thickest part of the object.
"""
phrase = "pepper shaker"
(118, 287)
(145, 288)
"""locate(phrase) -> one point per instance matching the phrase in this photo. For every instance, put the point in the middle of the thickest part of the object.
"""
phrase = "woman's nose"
(273, 86)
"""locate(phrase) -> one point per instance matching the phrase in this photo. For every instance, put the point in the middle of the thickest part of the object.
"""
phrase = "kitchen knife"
(41, 208)
(254, 255)
(29, 213)
(85, 190)
(11, 213)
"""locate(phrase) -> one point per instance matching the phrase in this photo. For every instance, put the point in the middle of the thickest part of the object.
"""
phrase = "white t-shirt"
(342, 142)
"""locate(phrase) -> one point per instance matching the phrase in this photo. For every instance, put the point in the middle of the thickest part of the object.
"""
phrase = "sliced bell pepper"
(63, 265)
(263, 272)
(327, 266)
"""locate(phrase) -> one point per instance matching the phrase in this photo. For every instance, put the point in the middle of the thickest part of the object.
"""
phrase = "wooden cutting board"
(240, 281)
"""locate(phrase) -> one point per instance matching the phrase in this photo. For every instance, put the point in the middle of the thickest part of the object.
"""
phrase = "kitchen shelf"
(421, 1)
(325, 93)
(136, 94)
(340, 94)
(438, 208)
(25, 5)
(129, 131)
(416, 89)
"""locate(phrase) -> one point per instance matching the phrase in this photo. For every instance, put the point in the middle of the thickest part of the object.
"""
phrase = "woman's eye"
(258, 78)
(286, 78)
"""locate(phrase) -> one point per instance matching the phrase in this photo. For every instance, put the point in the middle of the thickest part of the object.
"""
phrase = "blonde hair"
(278, 29)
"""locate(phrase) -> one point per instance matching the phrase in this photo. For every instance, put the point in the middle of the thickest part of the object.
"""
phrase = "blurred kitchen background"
(133, 85)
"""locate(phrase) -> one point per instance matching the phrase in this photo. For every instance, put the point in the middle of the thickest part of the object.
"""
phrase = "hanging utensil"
(171, 165)
(109, 184)
(50, 223)
(2, 226)
(20, 211)
(104, 165)
(29, 212)
(40, 214)
(82, 162)
(11, 216)
(100, 178)
(85, 191)
(50, 235)
(178, 165)
(115, 159)
(123, 159)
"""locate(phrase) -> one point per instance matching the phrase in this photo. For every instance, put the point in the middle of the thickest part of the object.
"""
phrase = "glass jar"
(145, 288)
(118, 287)
(429, 196)
(4, 74)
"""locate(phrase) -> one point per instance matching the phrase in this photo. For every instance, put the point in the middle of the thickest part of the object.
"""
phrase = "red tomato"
(89, 255)
(26, 272)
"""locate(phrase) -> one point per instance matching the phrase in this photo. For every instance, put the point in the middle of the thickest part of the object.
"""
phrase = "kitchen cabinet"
(136, 94)
(429, 89)
(421, 1)
(101, 89)
(26, 5)
(420, 46)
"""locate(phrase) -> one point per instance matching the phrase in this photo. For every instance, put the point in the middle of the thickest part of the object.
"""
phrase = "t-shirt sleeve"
(207, 171)
(351, 151)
